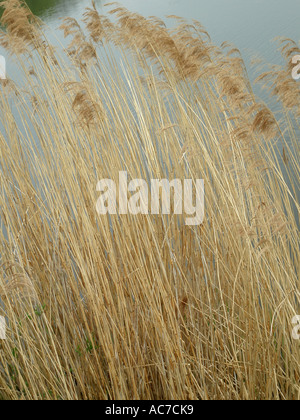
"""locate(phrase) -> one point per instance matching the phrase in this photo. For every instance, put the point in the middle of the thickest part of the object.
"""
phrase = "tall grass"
(144, 307)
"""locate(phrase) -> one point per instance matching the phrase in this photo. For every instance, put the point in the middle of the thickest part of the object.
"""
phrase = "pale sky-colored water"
(250, 24)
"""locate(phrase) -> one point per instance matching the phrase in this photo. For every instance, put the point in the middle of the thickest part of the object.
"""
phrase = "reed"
(144, 307)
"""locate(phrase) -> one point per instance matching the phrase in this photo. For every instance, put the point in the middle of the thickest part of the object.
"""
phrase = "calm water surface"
(251, 25)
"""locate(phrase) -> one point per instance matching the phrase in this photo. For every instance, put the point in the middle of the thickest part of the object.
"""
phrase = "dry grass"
(144, 307)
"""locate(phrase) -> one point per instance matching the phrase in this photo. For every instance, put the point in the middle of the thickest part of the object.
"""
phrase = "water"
(250, 25)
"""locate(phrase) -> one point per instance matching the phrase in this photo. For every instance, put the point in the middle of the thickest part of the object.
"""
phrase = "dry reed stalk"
(144, 307)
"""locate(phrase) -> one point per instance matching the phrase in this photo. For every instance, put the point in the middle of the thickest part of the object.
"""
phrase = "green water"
(46, 7)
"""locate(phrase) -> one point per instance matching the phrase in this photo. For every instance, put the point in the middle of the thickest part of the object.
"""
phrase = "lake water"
(250, 25)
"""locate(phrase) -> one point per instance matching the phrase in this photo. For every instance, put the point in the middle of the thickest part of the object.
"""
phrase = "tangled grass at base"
(144, 307)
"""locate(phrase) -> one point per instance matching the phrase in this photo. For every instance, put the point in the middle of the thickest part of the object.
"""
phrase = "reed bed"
(145, 307)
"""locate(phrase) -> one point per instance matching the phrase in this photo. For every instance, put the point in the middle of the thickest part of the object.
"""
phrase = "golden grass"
(144, 307)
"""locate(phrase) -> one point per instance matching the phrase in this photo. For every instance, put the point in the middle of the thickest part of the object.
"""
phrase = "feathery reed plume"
(280, 82)
(19, 22)
(99, 27)
(16, 284)
(264, 121)
(79, 49)
(88, 111)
